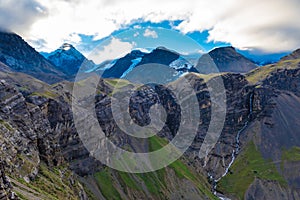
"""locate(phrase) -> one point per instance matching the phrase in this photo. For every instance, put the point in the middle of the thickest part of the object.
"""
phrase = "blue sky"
(165, 35)
(147, 36)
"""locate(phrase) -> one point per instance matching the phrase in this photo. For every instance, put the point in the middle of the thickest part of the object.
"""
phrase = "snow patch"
(109, 65)
(134, 63)
(144, 50)
(66, 47)
(181, 63)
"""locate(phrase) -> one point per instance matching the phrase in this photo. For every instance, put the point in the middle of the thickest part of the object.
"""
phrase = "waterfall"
(235, 152)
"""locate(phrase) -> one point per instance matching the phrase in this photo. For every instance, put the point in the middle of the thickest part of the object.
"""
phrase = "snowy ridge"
(101, 67)
(139, 56)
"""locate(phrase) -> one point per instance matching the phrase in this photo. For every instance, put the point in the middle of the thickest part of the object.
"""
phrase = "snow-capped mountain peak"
(68, 59)
(66, 47)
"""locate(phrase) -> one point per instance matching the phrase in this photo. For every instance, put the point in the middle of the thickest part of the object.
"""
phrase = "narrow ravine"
(235, 151)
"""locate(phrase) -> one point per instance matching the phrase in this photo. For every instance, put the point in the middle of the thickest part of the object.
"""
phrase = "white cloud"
(150, 33)
(114, 49)
(73, 38)
(18, 15)
(269, 25)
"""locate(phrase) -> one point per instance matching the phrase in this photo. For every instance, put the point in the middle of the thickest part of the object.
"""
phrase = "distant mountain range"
(64, 63)
(224, 59)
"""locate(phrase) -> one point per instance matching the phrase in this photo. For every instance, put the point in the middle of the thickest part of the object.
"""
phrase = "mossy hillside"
(108, 180)
(6, 125)
(181, 169)
(178, 166)
(25, 83)
(53, 184)
(46, 94)
(292, 155)
(21, 196)
(118, 83)
(155, 182)
(106, 185)
(249, 165)
(261, 73)
(89, 193)
(28, 164)
(127, 180)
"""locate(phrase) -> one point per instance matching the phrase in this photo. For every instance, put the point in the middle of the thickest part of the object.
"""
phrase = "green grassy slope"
(249, 165)
(155, 183)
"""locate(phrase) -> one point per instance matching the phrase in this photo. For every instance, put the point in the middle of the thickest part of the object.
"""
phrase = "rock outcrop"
(5, 185)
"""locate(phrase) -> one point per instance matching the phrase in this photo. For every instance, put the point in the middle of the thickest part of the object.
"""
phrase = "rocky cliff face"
(28, 141)
(5, 186)
(41, 124)
(272, 137)
(279, 135)
(20, 132)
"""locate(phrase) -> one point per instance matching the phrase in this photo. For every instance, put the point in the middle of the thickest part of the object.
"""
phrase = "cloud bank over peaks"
(267, 26)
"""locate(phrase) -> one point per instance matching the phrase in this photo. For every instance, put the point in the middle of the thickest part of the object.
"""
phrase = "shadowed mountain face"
(20, 57)
(224, 59)
(162, 56)
(4, 67)
(123, 64)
